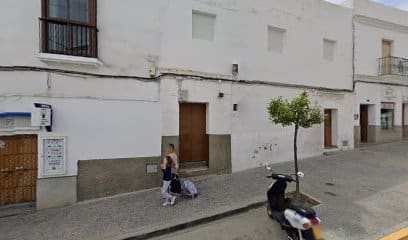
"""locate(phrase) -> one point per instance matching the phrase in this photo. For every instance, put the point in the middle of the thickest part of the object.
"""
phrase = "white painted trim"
(381, 23)
(20, 129)
(58, 58)
(386, 79)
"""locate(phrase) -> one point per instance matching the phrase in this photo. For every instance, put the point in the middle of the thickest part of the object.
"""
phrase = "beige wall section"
(377, 135)
(56, 192)
(357, 136)
(220, 153)
(388, 135)
(100, 178)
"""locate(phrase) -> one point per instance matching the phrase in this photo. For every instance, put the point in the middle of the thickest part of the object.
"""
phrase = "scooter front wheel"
(306, 235)
(292, 235)
(269, 211)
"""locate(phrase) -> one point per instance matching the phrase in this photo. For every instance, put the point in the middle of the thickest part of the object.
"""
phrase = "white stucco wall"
(102, 118)
(373, 23)
(241, 37)
(255, 140)
(128, 39)
(97, 129)
(377, 10)
(375, 94)
(368, 46)
(137, 35)
(218, 109)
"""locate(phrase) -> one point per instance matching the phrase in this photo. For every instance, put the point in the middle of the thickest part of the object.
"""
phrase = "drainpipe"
(354, 50)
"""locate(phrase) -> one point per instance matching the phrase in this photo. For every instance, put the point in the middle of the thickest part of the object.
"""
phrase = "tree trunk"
(296, 162)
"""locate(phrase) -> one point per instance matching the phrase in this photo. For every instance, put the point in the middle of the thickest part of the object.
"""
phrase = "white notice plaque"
(54, 163)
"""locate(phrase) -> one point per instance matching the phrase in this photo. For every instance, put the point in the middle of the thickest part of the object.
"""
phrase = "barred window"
(69, 27)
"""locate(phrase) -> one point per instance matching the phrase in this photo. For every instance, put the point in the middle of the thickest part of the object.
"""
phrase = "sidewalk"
(364, 195)
(136, 213)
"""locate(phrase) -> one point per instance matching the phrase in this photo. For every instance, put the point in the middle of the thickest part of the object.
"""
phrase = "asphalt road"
(364, 195)
(252, 225)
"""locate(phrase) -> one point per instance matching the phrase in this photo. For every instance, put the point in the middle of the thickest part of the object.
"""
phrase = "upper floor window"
(203, 25)
(387, 115)
(69, 27)
(329, 47)
(276, 39)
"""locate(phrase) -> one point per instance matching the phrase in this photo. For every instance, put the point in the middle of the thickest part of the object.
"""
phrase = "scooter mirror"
(300, 174)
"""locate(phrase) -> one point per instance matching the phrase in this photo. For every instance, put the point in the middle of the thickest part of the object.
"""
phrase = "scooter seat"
(301, 208)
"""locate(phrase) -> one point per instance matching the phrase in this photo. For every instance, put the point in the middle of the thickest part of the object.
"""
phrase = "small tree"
(299, 113)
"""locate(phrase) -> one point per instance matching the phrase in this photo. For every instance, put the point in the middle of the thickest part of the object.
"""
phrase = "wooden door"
(328, 128)
(386, 53)
(364, 123)
(386, 48)
(18, 169)
(193, 142)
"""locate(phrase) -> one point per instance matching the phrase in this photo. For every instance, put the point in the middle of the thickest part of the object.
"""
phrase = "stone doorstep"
(171, 228)
(17, 209)
(189, 165)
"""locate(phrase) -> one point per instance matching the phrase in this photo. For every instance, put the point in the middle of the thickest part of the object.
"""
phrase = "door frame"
(365, 132)
(404, 127)
(328, 135)
(206, 140)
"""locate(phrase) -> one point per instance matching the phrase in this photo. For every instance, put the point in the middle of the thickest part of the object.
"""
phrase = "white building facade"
(380, 72)
(125, 79)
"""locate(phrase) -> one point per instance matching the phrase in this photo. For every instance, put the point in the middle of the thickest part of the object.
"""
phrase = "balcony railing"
(393, 66)
(68, 38)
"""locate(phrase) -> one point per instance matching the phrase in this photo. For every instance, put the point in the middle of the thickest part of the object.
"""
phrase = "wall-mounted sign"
(41, 115)
(2, 144)
(13, 121)
(151, 168)
(389, 92)
(53, 156)
(387, 105)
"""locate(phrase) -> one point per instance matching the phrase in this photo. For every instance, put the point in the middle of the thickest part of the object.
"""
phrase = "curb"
(399, 235)
(182, 226)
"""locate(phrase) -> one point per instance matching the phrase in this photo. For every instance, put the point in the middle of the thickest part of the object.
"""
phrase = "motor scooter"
(299, 221)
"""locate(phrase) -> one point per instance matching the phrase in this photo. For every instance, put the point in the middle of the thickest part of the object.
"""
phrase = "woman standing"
(166, 166)
(171, 151)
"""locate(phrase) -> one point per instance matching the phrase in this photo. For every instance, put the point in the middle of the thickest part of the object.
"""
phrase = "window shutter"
(275, 39)
(92, 12)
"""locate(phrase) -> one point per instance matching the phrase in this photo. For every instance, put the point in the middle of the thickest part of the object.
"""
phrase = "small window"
(387, 115)
(275, 39)
(329, 47)
(203, 26)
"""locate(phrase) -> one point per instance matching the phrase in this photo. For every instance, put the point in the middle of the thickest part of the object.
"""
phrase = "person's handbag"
(175, 185)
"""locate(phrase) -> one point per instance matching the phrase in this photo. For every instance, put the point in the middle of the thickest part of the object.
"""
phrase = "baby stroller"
(187, 189)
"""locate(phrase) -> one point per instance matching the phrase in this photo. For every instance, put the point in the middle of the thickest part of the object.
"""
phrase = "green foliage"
(298, 112)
